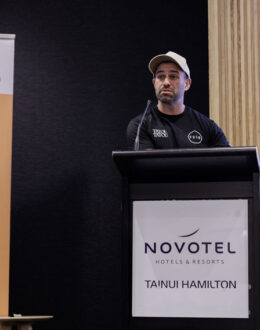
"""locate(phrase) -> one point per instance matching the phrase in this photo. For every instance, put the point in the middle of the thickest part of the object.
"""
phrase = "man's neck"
(171, 109)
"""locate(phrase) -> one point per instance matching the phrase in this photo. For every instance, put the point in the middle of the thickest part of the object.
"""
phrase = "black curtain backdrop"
(80, 75)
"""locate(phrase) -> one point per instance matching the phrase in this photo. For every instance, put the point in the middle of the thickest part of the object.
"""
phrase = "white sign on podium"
(190, 259)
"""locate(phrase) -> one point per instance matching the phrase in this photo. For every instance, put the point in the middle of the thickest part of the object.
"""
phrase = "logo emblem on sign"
(195, 137)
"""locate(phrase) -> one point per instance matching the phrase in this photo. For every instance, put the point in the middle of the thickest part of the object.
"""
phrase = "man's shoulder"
(133, 124)
(201, 118)
(196, 113)
(141, 120)
(136, 120)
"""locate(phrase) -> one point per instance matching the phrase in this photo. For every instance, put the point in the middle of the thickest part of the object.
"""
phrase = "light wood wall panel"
(234, 69)
(6, 128)
(6, 121)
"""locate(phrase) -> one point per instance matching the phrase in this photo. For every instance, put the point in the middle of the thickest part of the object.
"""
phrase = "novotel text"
(192, 247)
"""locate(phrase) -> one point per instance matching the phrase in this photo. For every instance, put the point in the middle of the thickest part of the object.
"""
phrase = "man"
(171, 124)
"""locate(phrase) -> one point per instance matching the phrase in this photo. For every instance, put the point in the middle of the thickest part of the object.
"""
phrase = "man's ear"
(187, 84)
(153, 81)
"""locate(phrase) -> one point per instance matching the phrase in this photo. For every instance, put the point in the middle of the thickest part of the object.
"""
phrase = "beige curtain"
(234, 69)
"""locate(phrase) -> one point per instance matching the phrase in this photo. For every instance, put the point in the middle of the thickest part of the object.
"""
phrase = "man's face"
(170, 83)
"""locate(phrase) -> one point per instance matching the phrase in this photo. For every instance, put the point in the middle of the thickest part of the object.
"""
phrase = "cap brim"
(153, 64)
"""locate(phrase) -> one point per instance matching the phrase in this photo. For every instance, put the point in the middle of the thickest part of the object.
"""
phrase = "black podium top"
(188, 164)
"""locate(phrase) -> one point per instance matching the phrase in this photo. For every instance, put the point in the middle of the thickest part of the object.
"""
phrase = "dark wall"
(80, 75)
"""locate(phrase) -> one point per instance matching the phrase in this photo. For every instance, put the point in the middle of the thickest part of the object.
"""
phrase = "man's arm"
(145, 141)
(217, 136)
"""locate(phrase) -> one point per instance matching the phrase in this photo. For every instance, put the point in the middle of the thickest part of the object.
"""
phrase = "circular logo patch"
(195, 137)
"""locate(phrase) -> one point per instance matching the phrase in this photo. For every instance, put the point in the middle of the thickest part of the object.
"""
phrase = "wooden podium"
(191, 174)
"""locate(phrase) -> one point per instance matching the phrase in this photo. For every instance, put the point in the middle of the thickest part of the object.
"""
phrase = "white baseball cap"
(169, 57)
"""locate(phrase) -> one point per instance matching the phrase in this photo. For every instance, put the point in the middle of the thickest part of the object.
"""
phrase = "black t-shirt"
(190, 129)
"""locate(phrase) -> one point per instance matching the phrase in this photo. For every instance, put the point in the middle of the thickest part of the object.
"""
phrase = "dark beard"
(165, 99)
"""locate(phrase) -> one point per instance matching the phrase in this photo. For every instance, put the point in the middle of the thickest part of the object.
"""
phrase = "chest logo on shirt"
(195, 137)
(160, 133)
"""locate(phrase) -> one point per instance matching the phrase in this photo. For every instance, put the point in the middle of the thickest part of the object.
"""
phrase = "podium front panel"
(228, 175)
